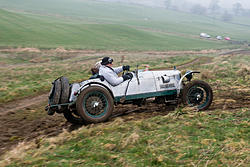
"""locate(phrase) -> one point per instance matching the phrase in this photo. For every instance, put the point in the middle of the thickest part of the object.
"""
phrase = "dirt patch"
(26, 125)
(184, 52)
(189, 52)
(33, 122)
(21, 50)
(197, 61)
(235, 52)
(62, 50)
(26, 119)
(21, 104)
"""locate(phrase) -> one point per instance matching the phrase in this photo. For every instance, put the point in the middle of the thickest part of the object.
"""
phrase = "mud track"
(25, 120)
(33, 122)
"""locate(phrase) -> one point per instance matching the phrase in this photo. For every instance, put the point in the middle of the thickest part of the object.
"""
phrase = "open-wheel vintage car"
(93, 100)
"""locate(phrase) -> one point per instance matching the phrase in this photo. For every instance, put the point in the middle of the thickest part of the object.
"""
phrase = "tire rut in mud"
(33, 123)
(27, 124)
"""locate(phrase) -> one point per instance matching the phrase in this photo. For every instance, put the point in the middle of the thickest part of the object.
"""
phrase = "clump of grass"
(244, 73)
(207, 75)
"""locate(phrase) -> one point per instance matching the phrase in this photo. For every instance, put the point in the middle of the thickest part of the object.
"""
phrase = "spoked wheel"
(73, 117)
(199, 94)
(95, 104)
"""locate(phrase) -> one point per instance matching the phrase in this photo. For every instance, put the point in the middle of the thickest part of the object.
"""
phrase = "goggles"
(110, 61)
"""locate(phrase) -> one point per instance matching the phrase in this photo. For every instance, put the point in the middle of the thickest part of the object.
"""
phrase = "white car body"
(93, 100)
(148, 84)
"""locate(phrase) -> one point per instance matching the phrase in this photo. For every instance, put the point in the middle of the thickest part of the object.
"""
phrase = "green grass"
(217, 138)
(134, 16)
(108, 26)
(19, 30)
(29, 74)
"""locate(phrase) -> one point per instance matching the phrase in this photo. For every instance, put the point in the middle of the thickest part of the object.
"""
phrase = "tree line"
(213, 9)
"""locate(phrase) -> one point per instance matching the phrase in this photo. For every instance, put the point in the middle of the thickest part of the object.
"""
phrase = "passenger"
(95, 69)
(111, 74)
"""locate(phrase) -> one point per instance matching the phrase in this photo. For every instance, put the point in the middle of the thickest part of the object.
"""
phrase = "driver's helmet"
(106, 60)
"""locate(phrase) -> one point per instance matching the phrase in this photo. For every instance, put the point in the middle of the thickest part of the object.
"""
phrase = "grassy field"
(20, 30)
(158, 18)
(109, 26)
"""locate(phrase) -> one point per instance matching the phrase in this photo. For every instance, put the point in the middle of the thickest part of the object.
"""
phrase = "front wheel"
(198, 93)
(95, 104)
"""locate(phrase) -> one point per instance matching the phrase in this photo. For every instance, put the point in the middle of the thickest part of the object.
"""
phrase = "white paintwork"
(173, 75)
(149, 82)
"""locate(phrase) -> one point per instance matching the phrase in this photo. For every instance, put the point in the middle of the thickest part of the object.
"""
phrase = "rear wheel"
(95, 104)
(198, 93)
(73, 117)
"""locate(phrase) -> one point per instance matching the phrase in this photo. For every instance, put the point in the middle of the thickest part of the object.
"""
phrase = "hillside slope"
(29, 31)
(108, 26)
(133, 15)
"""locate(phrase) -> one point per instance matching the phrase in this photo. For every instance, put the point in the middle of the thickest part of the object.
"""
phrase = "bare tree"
(237, 8)
(214, 6)
(227, 16)
(198, 9)
(168, 3)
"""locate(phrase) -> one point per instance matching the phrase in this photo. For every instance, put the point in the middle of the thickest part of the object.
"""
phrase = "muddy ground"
(26, 120)
(33, 122)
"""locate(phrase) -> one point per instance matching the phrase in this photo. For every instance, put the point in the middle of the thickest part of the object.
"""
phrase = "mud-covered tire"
(197, 93)
(55, 92)
(65, 90)
(95, 104)
(73, 118)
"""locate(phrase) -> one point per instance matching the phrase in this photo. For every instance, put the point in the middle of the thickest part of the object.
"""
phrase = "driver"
(110, 74)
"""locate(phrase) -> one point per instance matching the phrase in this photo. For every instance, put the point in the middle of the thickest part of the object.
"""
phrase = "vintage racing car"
(93, 100)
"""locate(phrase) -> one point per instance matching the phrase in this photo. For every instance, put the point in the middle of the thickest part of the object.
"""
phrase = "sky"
(225, 3)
